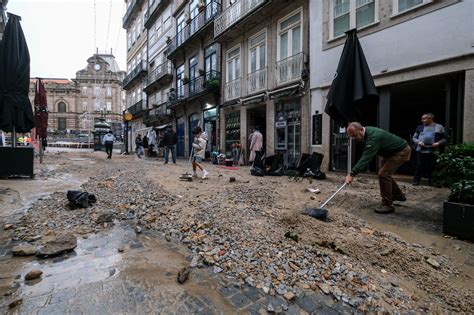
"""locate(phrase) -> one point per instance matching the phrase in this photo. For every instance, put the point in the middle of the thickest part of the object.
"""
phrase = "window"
(61, 123)
(96, 105)
(84, 90)
(84, 106)
(179, 81)
(233, 64)
(96, 91)
(349, 14)
(404, 5)
(210, 60)
(180, 23)
(289, 36)
(257, 52)
(61, 107)
(109, 91)
(108, 106)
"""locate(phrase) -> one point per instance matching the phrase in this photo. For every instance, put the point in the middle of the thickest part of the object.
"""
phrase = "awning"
(253, 99)
(290, 90)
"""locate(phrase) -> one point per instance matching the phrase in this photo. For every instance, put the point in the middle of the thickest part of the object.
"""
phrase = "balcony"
(235, 13)
(257, 81)
(136, 108)
(153, 11)
(207, 83)
(195, 26)
(159, 115)
(131, 11)
(289, 69)
(161, 75)
(232, 89)
(138, 72)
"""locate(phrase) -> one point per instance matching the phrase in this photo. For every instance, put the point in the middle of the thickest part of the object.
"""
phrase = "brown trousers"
(389, 189)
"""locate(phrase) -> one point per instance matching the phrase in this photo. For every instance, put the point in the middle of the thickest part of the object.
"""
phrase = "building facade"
(421, 55)
(96, 92)
(265, 60)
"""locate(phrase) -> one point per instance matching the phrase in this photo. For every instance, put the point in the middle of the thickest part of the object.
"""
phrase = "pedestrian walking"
(108, 141)
(145, 144)
(256, 143)
(151, 141)
(139, 146)
(428, 138)
(394, 152)
(169, 141)
(199, 146)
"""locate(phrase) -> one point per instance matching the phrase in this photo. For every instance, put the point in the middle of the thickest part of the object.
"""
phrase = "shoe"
(385, 209)
(400, 198)
(166, 162)
(205, 173)
(195, 175)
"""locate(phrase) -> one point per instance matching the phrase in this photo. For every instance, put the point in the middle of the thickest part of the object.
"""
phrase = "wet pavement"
(118, 271)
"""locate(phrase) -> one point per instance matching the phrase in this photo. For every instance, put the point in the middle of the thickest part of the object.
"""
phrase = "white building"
(420, 53)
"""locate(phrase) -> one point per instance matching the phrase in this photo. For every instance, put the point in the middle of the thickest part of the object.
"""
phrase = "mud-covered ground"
(252, 230)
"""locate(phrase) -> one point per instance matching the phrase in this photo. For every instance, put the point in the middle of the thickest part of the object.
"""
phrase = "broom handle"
(329, 199)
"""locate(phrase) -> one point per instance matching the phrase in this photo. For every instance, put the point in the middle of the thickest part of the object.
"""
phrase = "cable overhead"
(108, 26)
(95, 27)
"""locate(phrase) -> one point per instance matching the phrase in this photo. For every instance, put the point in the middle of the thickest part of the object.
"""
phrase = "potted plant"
(201, 72)
(455, 169)
(201, 6)
(212, 83)
(168, 40)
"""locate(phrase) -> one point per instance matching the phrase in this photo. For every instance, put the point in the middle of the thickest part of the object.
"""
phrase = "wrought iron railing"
(134, 74)
(136, 108)
(289, 69)
(159, 72)
(194, 26)
(151, 10)
(127, 18)
(159, 111)
(232, 89)
(234, 13)
(205, 83)
(257, 80)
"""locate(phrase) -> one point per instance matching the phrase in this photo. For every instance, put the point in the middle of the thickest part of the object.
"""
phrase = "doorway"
(256, 118)
(180, 125)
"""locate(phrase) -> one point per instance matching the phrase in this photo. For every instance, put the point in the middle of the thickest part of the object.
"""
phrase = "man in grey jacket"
(108, 141)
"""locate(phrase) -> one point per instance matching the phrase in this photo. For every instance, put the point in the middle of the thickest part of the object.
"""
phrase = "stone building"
(96, 92)
(421, 55)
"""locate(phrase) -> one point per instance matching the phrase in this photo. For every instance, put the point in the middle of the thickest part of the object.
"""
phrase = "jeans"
(388, 186)
(109, 145)
(139, 150)
(171, 148)
(425, 164)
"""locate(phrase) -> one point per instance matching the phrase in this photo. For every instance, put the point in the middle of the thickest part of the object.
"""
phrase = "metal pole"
(349, 156)
(13, 137)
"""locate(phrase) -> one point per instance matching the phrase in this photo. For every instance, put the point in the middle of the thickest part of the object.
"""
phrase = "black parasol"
(16, 114)
(352, 86)
(41, 110)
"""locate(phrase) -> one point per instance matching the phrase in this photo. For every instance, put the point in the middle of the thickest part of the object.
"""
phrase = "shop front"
(288, 130)
(232, 135)
(210, 127)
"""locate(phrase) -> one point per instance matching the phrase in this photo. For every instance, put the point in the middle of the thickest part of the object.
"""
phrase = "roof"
(52, 80)
(110, 59)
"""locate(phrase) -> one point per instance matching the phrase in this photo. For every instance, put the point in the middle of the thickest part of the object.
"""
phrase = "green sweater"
(378, 142)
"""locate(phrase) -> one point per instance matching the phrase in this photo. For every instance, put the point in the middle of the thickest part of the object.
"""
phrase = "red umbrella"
(41, 111)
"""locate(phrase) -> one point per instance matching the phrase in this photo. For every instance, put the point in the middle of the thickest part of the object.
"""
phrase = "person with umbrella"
(394, 152)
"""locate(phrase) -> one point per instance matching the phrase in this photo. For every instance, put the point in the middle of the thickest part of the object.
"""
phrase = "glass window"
(289, 39)
(61, 107)
(84, 90)
(96, 91)
(109, 91)
(84, 106)
(233, 64)
(109, 106)
(257, 52)
(407, 4)
(348, 14)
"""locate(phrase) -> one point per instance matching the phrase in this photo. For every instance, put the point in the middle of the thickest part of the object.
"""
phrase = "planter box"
(458, 220)
(16, 161)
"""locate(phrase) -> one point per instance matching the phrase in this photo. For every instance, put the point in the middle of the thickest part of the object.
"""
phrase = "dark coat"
(170, 137)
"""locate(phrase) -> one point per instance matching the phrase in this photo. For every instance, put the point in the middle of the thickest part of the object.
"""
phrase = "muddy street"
(247, 247)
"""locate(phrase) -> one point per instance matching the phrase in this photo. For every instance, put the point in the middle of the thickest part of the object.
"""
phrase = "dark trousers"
(108, 148)
(425, 164)
(388, 186)
(168, 149)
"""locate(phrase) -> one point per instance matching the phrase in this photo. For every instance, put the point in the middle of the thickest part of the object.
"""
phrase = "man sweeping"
(394, 152)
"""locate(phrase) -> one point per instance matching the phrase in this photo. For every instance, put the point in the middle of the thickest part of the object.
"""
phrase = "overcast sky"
(60, 33)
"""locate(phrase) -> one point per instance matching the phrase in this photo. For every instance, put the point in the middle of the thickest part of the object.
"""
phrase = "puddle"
(145, 271)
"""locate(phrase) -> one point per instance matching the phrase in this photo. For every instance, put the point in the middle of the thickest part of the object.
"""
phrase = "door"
(193, 13)
(180, 135)
(180, 82)
(180, 24)
(193, 122)
(210, 61)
